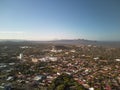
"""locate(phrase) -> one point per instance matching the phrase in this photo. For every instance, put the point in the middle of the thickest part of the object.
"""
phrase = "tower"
(21, 56)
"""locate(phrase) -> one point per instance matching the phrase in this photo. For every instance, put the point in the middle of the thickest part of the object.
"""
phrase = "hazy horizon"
(60, 19)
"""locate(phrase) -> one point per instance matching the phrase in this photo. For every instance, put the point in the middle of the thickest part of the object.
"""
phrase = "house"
(39, 78)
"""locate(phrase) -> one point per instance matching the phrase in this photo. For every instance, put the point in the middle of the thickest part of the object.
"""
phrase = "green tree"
(65, 82)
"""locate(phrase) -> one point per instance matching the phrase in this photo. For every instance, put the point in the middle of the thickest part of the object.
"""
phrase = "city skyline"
(60, 19)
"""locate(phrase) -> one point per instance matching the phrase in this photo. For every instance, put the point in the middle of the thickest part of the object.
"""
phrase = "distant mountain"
(65, 41)
(74, 41)
(88, 42)
(113, 44)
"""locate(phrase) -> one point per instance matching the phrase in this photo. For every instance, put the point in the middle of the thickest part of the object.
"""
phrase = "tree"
(65, 82)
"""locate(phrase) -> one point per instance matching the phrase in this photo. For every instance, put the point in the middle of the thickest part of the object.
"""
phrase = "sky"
(60, 19)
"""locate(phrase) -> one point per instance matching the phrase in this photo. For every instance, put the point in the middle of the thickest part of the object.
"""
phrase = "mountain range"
(65, 41)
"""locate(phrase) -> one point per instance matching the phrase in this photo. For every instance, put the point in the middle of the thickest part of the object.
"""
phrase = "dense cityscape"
(38, 66)
(59, 44)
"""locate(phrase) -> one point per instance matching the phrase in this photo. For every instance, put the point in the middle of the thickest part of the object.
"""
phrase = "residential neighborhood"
(36, 67)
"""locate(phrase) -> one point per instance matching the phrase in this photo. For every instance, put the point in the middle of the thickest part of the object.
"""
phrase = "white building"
(35, 60)
(53, 49)
(91, 88)
(117, 59)
(21, 56)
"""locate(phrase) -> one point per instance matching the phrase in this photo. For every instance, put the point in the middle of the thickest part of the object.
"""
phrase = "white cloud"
(12, 35)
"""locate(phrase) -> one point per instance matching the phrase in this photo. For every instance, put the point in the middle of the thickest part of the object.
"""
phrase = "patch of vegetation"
(65, 82)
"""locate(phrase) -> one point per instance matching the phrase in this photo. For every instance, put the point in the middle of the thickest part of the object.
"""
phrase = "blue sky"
(60, 19)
